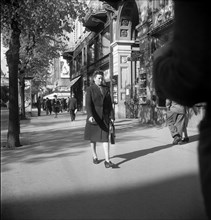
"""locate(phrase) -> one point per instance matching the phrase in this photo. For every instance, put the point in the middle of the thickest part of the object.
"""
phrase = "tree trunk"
(12, 56)
(22, 94)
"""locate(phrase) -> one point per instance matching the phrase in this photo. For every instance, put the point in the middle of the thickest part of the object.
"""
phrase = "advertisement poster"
(64, 68)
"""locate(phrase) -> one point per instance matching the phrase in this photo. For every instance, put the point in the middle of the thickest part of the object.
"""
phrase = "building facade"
(119, 38)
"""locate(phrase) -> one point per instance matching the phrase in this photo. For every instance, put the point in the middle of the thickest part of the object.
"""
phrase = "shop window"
(98, 48)
(91, 53)
(78, 62)
(115, 89)
(107, 76)
(105, 42)
(73, 66)
(115, 94)
(142, 85)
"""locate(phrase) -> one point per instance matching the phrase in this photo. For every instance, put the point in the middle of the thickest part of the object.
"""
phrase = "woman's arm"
(89, 103)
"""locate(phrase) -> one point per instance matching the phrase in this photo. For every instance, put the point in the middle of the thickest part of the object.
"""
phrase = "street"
(52, 175)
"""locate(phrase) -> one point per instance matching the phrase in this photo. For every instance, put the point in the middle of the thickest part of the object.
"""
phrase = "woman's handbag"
(112, 132)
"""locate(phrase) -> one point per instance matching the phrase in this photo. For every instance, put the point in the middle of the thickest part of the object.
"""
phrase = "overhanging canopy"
(72, 82)
(60, 95)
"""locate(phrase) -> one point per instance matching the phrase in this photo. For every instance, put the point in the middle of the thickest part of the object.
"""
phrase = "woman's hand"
(91, 119)
(112, 120)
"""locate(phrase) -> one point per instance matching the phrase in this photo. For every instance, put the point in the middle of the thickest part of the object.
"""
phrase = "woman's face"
(98, 79)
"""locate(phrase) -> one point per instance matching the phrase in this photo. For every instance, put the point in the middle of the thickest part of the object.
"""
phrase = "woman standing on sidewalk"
(99, 113)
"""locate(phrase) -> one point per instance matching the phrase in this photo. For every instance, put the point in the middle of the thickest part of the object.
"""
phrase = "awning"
(72, 82)
(60, 95)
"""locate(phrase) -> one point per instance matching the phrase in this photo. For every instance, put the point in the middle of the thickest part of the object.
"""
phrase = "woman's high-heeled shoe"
(95, 161)
(109, 164)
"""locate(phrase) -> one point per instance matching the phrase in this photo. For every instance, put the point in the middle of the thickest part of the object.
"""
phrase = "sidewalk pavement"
(52, 175)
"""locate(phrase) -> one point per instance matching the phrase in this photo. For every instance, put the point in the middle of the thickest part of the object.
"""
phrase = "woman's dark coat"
(99, 106)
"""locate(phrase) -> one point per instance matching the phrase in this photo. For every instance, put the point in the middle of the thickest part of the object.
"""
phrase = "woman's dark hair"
(98, 72)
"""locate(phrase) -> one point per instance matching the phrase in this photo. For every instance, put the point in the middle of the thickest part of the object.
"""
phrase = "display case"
(142, 86)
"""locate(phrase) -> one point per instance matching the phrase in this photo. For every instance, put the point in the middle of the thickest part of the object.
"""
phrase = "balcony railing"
(95, 15)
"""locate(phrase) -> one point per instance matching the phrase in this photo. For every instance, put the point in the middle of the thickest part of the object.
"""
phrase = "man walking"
(72, 106)
(175, 120)
(48, 106)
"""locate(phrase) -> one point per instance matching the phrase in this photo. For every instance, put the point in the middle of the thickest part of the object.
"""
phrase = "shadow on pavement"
(194, 138)
(140, 153)
(171, 199)
(46, 145)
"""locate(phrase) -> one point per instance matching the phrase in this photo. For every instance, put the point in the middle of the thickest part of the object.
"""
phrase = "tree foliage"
(41, 16)
(43, 24)
(34, 31)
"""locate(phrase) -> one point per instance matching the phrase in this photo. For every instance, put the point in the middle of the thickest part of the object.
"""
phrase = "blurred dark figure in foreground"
(181, 72)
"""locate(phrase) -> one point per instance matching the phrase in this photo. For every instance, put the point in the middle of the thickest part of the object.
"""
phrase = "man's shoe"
(185, 140)
(177, 139)
(180, 142)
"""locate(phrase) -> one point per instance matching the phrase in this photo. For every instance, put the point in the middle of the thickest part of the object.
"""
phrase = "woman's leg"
(107, 161)
(106, 147)
(185, 133)
(93, 147)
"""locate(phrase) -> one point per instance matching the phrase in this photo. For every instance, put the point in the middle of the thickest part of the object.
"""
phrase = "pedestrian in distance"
(99, 114)
(175, 120)
(48, 106)
(56, 106)
(65, 105)
(72, 106)
(68, 98)
(62, 104)
(39, 106)
(182, 72)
